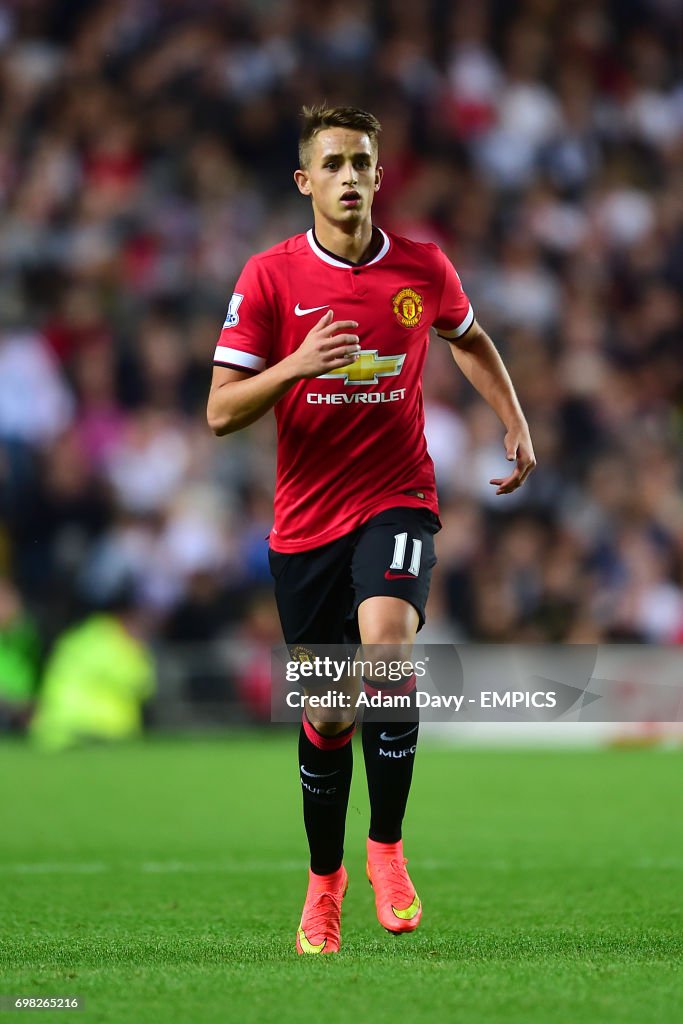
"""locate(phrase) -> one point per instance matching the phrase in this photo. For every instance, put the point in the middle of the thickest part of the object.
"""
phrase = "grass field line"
(147, 867)
(153, 867)
(161, 867)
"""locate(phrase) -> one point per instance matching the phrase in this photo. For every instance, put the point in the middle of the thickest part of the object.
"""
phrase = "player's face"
(342, 175)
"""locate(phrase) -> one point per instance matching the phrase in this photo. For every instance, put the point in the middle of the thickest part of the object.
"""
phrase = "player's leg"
(388, 626)
(325, 767)
(312, 590)
(388, 620)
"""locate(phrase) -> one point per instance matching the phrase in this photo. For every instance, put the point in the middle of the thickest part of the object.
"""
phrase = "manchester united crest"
(407, 307)
(301, 654)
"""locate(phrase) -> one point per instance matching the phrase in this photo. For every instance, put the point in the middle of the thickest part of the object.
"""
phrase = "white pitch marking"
(48, 868)
(149, 867)
(176, 867)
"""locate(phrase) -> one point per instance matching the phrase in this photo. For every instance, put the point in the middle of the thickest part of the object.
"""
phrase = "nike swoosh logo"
(298, 311)
(383, 736)
(409, 912)
(307, 946)
(316, 775)
(388, 575)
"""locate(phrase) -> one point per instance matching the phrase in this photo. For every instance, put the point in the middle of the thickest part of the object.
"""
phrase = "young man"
(331, 329)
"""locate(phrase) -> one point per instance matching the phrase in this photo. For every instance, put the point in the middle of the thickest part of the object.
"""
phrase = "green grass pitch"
(163, 883)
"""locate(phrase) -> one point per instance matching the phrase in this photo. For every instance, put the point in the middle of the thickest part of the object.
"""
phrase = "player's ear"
(379, 174)
(302, 182)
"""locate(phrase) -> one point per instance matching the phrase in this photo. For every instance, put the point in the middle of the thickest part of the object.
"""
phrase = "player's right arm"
(239, 397)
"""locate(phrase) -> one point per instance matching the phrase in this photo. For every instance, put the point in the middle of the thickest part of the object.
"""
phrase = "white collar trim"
(326, 258)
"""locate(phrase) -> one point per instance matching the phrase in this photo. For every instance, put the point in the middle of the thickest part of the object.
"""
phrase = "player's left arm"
(478, 358)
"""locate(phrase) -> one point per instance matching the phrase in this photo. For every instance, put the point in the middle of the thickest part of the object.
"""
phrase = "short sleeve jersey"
(351, 442)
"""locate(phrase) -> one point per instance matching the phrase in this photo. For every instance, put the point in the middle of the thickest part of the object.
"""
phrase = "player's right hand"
(326, 347)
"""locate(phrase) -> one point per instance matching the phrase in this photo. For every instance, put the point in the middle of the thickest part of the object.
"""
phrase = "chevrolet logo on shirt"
(367, 368)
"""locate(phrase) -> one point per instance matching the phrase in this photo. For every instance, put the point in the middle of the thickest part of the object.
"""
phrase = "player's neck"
(351, 244)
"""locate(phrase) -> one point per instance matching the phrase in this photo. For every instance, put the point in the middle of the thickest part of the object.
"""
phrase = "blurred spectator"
(96, 681)
(255, 639)
(35, 402)
(20, 651)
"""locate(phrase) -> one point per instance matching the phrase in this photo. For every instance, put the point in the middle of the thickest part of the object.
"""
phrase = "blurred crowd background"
(147, 150)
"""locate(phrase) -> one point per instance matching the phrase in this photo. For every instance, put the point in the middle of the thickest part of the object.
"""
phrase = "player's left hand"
(519, 450)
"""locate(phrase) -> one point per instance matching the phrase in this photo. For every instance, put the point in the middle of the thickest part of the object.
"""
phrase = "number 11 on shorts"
(400, 544)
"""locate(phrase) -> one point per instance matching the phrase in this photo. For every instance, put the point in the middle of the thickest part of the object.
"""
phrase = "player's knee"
(326, 727)
(388, 658)
(388, 626)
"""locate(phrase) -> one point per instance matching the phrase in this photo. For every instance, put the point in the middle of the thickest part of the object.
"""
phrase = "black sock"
(389, 751)
(325, 765)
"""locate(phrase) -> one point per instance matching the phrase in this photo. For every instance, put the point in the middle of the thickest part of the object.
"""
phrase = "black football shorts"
(318, 591)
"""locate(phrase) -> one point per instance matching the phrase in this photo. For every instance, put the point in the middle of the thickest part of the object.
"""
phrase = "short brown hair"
(318, 118)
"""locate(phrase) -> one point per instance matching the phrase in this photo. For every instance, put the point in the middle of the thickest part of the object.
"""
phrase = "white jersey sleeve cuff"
(235, 357)
(457, 332)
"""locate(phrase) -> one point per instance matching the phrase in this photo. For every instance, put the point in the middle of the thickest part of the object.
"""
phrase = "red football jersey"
(351, 442)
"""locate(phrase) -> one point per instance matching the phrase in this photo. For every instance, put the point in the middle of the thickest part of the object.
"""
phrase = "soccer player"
(330, 328)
